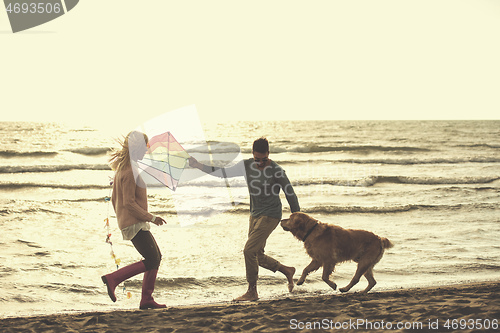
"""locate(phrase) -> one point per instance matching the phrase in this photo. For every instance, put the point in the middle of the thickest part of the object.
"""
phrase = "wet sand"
(468, 307)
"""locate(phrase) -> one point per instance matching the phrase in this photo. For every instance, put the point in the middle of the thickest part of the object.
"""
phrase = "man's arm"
(236, 170)
(290, 195)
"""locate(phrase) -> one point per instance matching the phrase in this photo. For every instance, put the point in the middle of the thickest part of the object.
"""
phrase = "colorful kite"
(165, 160)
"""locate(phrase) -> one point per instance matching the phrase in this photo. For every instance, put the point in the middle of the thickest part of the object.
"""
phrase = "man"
(265, 179)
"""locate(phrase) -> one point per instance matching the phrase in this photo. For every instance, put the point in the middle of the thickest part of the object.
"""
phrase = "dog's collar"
(309, 232)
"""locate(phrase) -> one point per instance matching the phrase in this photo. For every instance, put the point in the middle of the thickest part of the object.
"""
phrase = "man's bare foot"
(247, 297)
(250, 295)
(289, 272)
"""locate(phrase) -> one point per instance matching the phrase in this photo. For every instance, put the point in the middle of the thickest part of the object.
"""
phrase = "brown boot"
(148, 286)
(114, 279)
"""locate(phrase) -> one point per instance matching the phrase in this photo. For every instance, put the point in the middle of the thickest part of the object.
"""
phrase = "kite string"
(168, 160)
(108, 233)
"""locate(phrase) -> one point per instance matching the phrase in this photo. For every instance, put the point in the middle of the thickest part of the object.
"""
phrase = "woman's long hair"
(131, 144)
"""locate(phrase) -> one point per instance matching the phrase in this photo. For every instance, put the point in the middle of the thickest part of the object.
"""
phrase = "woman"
(131, 207)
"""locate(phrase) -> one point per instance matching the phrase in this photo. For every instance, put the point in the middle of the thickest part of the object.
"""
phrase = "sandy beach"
(470, 307)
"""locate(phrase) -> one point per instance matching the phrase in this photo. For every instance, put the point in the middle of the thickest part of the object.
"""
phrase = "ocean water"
(431, 187)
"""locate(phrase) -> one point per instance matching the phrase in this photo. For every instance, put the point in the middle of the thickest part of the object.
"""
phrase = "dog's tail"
(386, 244)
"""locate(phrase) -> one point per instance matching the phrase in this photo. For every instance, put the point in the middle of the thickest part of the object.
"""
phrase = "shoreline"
(458, 306)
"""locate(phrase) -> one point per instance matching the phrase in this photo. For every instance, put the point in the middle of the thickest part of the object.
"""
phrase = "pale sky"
(119, 63)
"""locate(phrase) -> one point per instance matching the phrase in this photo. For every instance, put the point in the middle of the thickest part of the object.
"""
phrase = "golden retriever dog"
(329, 245)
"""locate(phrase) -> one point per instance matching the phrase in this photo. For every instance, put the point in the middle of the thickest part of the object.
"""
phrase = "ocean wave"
(370, 181)
(21, 210)
(480, 145)
(6, 212)
(240, 185)
(331, 209)
(408, 161)
(15, 153)
(89, 151)
(177, 283)
(215, 147)
(70, 288)
(373, 180)
(28, 243)
(6, 271)
(465, 267)
(362, 182)
(315, 148)
(398, 161)
(15, 186)
(51, 168)
(479, 267)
